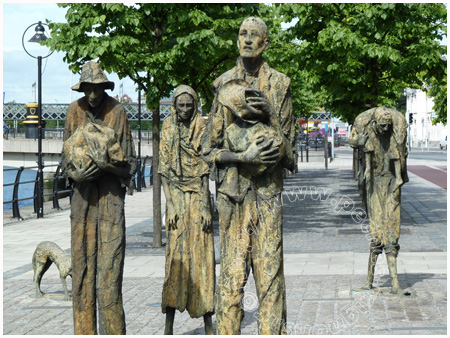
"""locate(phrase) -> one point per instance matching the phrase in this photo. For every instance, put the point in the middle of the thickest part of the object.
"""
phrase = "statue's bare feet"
(208, 324)
(170, 317)
(366, 287)
(396, 291)
(209, 330)
(168, 330)
(400, 292)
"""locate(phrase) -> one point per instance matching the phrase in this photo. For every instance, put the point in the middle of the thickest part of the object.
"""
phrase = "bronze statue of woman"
(190, 276)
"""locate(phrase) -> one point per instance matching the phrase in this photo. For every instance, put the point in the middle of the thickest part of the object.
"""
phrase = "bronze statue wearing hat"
(93, 74)
(99, 159)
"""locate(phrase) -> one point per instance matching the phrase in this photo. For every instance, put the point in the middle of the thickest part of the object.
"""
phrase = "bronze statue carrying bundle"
(380, 134)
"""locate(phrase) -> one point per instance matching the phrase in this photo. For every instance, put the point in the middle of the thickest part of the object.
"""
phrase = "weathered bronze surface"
(190, 276)
(248, 143)
(44, 256)
(99, 157)
(249, 124)
(380, 135)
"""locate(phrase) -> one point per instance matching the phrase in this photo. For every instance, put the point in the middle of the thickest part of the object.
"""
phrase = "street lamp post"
(139, 173)
(307, 139)
(38, 37)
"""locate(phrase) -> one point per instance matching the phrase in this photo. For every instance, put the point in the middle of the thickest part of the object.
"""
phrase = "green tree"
(158, 46)
(364, 55)
(283, 56)
(401, 103)
(438, 91)
(145, 125)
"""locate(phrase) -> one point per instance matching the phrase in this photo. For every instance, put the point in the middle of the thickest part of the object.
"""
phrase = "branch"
(136, 79)
(387, 31)
(212, 69)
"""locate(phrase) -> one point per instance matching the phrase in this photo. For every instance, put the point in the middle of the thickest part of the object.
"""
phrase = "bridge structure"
(19, 151)
(321, 115)
(18, 111)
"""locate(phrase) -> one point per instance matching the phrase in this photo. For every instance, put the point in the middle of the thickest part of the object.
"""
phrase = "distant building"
(422, 132)
(124, 99)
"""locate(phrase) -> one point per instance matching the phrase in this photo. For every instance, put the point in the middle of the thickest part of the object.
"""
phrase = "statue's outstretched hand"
(362, 138)
(206, 217)
(172, 217)
(99, 155)
(87, 173)
(396, 184)
(258, 101)
(261, 153)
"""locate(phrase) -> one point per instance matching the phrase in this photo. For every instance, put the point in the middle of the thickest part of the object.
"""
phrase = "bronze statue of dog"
(45, 254)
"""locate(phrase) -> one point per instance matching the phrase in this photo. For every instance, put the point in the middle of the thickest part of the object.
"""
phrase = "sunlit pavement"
(326, 253)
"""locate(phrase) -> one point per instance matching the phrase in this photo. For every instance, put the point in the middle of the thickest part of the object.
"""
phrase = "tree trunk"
(157, 229)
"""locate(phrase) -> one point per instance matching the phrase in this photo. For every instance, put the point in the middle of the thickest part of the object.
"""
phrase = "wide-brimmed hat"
(92, 73)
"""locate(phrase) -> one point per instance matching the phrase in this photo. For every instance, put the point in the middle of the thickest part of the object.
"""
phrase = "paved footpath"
(326, 253)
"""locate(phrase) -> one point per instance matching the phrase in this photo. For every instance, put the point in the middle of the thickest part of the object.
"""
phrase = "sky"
(20, 70)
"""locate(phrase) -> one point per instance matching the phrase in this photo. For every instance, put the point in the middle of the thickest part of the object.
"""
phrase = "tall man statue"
(99, 156)
(248, 169)
(380, 133)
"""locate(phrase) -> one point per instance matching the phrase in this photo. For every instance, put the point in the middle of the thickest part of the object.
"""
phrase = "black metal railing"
(146, 162)
(57, 190)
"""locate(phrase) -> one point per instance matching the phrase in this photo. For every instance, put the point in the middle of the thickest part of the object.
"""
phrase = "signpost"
(325, 146)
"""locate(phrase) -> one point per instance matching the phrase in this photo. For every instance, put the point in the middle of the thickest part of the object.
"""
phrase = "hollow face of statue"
(94, 93)
(185, 107)
(383, 127)
(251, 40)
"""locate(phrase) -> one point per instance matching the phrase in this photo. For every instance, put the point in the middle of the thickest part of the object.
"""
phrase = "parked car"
(443, 143)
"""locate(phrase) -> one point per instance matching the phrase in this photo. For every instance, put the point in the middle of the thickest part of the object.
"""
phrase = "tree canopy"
(158, 46)
(438, 91)
(363, 55)
(283, 55)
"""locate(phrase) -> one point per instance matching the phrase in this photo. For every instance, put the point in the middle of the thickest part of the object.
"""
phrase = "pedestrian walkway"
(326, 253)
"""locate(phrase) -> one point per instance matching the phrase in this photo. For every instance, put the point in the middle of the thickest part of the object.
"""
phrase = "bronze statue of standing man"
(248, 201)
(190, 269)
(380, 133)
(99, 157)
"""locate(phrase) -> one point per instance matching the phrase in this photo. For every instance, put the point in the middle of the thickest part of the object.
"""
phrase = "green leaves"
(363, 55)
(158, 46)
(344, 57)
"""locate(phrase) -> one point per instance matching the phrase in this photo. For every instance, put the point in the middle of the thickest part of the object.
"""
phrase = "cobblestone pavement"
(315, 305)
(326, 252)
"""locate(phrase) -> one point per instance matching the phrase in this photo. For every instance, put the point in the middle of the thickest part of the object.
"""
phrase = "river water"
(27, 189)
